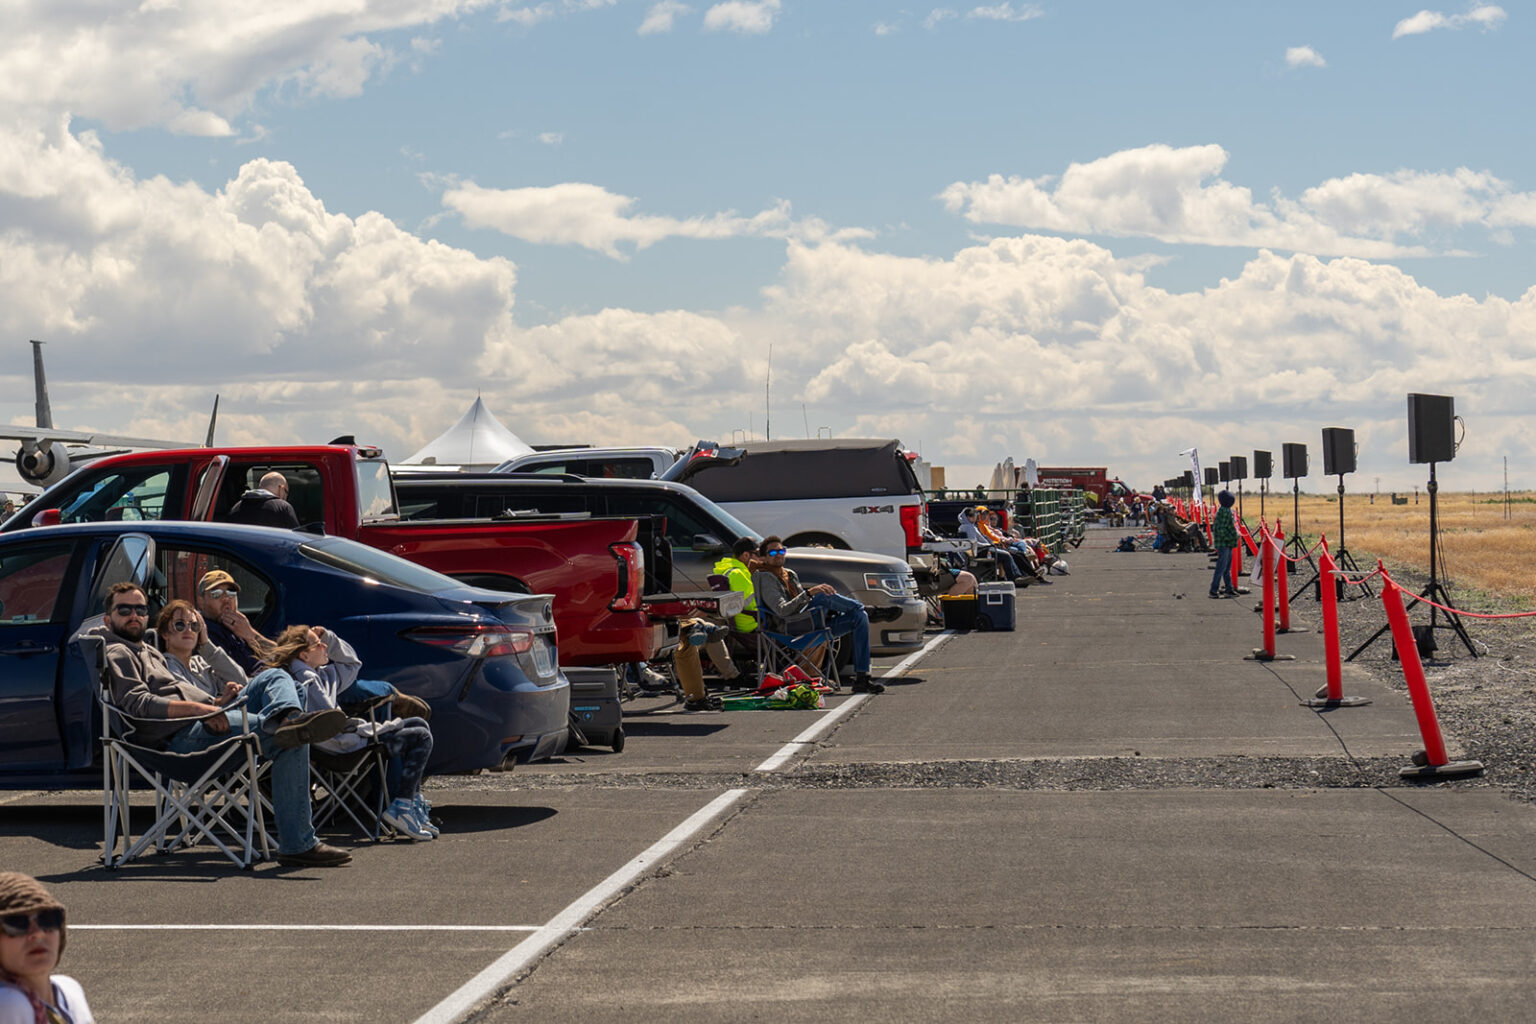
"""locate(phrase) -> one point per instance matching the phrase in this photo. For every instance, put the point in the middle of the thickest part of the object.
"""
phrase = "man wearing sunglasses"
(145, 688)
(781, 594)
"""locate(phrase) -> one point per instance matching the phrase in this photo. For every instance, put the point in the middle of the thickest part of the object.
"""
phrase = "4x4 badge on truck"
(864, 510)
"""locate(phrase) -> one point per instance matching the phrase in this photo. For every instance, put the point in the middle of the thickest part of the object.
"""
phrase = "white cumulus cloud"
(662, 17)
(1005, 12)
(576, 213)
(1176, 195)
(1486, 16)
(1303, 57)
(748, 17)
(938, 16)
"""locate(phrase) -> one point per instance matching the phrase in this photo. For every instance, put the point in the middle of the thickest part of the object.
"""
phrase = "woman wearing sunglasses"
(195, 659)
(32, 937)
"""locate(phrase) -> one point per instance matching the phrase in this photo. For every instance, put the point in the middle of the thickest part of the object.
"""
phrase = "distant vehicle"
(484, 660)
(599, 463)
(597, 568)
(47, 454)
(700, 533)
(849, 493)
(1094, 481)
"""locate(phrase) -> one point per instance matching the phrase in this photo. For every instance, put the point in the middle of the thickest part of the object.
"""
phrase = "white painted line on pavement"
(485, 984)
(830, 719)
(304, 927)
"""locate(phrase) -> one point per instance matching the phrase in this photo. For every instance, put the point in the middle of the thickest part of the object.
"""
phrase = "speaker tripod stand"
(1436, 590)
(1342, 558)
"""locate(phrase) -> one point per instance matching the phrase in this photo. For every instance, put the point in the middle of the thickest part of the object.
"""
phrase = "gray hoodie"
(143, 686)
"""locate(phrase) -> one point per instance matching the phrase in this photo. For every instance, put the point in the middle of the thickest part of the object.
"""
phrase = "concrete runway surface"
(1071, 822)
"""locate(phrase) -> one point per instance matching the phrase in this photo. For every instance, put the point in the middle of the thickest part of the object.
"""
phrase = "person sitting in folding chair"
(324, 665)
(182, 637)
(144, 687)
(781, 595)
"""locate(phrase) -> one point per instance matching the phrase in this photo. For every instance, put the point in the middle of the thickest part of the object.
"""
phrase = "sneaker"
(401, 816)
(318, 856)
(1214, 597)
(650, 679)
(406, 706)
(300, 727)
(703, 704)
(424, 815)
(1242, 590)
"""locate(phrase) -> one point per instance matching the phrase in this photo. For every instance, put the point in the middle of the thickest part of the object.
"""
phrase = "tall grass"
(1482, 549)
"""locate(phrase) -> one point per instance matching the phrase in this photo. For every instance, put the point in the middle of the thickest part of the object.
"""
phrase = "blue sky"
(1087, 231)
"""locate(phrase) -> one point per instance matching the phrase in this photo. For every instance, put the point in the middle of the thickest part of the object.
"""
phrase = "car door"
(37, 593)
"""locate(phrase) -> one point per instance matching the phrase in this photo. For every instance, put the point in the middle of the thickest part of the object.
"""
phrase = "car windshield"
(736, 526)
(361, 560)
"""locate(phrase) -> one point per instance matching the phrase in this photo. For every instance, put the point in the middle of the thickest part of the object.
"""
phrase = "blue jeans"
(409, 747)
(846, 617)
(361, 691)
(271, 694)
(1221, 579)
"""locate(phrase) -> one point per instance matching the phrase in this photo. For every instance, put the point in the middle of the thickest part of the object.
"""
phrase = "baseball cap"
(216, 578)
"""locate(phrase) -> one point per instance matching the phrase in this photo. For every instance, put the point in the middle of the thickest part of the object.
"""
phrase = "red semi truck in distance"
(595, 567)
(1094, 480)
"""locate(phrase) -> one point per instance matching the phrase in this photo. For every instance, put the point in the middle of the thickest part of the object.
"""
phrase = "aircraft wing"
(38, 435)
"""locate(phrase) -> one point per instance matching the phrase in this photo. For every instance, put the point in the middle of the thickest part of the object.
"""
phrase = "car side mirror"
(47, 517)
(708, 543)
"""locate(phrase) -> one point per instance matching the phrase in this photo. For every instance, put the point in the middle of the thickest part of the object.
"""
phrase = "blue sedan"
(484, 660)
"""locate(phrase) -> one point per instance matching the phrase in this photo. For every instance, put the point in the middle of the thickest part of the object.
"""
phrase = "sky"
(1091, 233)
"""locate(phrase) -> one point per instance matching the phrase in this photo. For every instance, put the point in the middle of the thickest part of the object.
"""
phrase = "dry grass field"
(1483, 551)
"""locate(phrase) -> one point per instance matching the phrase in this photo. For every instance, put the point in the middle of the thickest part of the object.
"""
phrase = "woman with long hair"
(323, 665)
(32, 934)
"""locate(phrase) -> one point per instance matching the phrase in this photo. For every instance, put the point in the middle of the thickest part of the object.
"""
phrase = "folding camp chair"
(793, 642)
(210, 794)
(352, 784)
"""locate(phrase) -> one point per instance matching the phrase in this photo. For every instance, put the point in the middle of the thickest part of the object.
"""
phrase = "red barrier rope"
(1363, 580)
(1476, 615)
(1298, 559)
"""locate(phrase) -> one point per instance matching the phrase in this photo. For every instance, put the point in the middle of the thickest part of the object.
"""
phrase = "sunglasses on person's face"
(775, 552)
(19, 925)
(125, 610)
(182, 626)
(222, 592)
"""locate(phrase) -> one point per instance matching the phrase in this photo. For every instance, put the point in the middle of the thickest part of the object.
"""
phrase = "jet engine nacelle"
(42, 466)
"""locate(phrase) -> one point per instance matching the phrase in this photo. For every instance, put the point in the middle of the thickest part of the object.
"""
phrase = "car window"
(371, 563)
(683, 523)
(306, 491)
(375, 494)
(488, 504)
(180, 566)
(31, 579)
(807, 473)
(132, 494)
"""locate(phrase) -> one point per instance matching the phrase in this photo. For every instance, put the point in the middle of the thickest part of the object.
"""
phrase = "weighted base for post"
(1259, 654)
(1449, 770)
(1343, 702)
(1293, 628)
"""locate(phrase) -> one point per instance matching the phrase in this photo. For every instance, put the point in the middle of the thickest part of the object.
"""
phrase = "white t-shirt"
(68, 998)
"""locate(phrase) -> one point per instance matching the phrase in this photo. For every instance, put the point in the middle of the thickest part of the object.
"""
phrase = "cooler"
(959, 611)
(996, 603)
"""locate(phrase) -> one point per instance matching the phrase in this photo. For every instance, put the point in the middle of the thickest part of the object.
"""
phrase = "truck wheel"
(618, 739)
(816, 540)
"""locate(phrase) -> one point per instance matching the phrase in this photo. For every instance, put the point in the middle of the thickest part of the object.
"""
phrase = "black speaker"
(1431, 428)
(1293, 461)
(1225, 469)
(1263, 465)
(1189, 478)
(1338, 451)
(1210, 476)
(1239, 467)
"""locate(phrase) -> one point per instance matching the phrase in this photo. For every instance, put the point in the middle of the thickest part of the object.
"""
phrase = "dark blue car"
(483, 659)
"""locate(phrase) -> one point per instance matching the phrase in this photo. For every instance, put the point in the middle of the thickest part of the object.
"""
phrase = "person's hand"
(235, 621)
(218, 723)
(231, 691)
(821, 588)
(202, 627)
(319, 632)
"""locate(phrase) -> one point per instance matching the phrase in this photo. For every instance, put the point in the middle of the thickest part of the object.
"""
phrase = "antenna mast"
(768, 398)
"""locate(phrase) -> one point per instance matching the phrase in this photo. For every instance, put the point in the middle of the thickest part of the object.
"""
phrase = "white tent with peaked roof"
(477, 441)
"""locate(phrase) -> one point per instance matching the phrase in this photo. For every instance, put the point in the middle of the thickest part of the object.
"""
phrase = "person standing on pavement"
(32, 933)
(1224, 539)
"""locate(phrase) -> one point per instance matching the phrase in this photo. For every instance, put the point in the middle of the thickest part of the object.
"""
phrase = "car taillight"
(631, 559)
(912, 524)
(474, 640)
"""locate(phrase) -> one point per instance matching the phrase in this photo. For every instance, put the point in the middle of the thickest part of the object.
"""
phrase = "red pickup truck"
(597, 568)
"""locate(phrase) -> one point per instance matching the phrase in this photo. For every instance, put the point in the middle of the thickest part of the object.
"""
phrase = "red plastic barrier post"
(1332, 695)
(1242, 531)
(1326, 568)
(1438, 763)
(1269, 592)
(1282, 579)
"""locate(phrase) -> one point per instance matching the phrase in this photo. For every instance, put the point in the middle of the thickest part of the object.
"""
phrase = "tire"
(618, 740)
(815, 540)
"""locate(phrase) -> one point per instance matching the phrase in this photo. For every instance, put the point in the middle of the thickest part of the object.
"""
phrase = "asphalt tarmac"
(914, 861)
